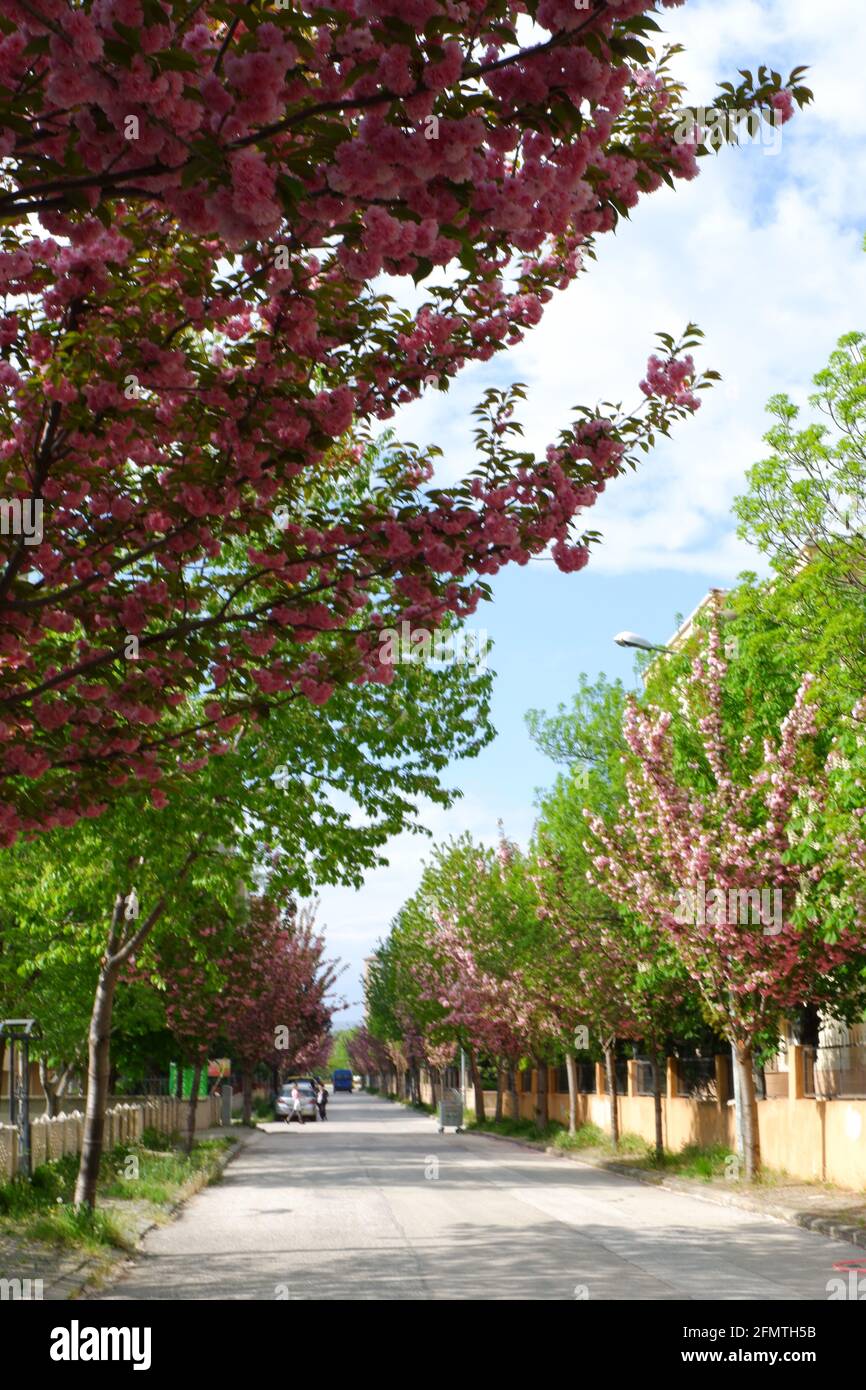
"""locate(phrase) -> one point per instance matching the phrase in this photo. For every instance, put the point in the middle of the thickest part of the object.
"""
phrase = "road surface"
(375, 1204)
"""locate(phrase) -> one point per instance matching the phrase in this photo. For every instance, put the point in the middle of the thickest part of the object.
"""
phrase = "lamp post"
(19, 1031)
(632, 639)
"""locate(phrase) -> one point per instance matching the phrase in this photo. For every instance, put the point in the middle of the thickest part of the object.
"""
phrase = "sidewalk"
(66, 1273)
(835, 1213)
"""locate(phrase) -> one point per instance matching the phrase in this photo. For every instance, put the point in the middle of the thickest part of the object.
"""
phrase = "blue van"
(342, 1079)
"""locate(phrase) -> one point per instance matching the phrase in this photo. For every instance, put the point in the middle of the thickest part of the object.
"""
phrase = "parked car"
(342, 1079)
(284, 1102)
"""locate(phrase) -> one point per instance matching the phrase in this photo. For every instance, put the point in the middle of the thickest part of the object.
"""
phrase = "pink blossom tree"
(714, 847)
(276, 1002)
(190, 971)
(480, 1009)
(367, 1054)
(196, 203)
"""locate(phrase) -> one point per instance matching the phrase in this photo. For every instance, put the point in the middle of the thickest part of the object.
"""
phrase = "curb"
(73, 1285)
(830, 1226)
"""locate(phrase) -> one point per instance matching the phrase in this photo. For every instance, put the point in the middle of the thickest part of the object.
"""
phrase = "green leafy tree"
(306, 797)
(805, 508)
(624, 979)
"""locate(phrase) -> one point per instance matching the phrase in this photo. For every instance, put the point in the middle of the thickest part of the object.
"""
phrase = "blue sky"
(764, 252)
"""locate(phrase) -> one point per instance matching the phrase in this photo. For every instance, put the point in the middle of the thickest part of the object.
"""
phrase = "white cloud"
(763, 250)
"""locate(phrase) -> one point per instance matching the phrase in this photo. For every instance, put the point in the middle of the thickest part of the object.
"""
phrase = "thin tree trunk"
(657, 1105)
(571, 1073)
(178, 1081)
(247, 1082)
(500, 1093)
(54, 1090)
(476, 1085)
(97, 1084)
(610, 1074)
(49, 1088)
(749, 1103)
(542, 1113)
(118, 951)
(515, 1095)
(192, 1110)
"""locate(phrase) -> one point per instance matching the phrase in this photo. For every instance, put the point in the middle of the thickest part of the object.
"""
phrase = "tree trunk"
(54, 1090)
(476, 1086)
(192, 1109)
(247, 1081)
(178, 1081)
(515, 1095)
(610, 1075)
(542, 1114)
(749, 1104)
(49, 1088)
(97, 1085)
(657, 1105)
(119, 950)
(500, 1094)
(571, 1073)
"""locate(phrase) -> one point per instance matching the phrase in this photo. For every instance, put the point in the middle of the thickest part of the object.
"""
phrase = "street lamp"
(19, 1032)
(631, 639)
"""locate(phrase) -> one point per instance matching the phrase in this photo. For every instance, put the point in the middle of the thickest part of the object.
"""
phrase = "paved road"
(357, 1208)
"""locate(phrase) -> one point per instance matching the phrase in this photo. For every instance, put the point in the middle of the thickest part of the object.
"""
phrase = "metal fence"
(833, 1073)
(696, 1078)
(644, 1077)
(141, 1086)
(584, 1078)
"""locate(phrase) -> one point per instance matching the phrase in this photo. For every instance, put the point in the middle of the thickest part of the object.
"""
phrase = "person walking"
(322, 1101)
(296, 1105)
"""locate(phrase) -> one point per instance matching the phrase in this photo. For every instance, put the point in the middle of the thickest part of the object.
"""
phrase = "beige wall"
(817, 1140)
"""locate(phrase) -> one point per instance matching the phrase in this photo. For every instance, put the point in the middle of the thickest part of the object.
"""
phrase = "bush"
(517, 1129)
(695, 1161)
(42, 1207)
(77, 1226)
(51, 1183)
(157, 1141)
(587, 1136)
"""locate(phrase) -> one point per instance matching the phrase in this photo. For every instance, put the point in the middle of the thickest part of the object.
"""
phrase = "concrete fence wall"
(817, 1140)
(125, 1123)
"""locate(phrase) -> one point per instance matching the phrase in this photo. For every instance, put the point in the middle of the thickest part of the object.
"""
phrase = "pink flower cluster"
(671, 380)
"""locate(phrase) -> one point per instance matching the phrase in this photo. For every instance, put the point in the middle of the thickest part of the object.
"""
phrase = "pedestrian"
(296, 1105)
(322, 1101)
